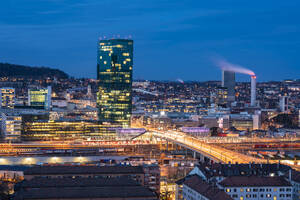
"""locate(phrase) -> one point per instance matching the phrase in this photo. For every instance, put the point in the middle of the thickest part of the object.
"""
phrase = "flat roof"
(43, 182)
(87, 193)
(53, 170)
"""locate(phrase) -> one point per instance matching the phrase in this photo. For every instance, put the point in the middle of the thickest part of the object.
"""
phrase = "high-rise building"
(284, 103)
(114, 72)
(40, 97)
(7, 97)
(222, 96)
(11, 126)
(228, 81)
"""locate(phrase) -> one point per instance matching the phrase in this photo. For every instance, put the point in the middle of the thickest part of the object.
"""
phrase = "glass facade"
(44, 130)
(228, 81)
(40, 97)
(114, 72)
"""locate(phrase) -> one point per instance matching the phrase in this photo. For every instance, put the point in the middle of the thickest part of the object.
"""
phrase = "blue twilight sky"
(173, 38)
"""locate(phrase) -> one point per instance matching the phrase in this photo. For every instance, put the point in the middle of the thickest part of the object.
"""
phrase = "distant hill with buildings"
(12, 70)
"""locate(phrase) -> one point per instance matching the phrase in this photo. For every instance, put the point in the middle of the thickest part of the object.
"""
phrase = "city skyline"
(263, 38)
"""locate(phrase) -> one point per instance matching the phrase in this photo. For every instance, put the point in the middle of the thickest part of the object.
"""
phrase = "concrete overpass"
(211, 151)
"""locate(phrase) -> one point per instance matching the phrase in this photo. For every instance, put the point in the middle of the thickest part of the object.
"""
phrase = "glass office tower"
(228, 81)
(40, 97)
(114, 72)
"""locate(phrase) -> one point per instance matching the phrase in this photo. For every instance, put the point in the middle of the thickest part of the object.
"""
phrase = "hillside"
(12, 70)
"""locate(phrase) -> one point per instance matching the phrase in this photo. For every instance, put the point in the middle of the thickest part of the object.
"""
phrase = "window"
(241, 198)
(228, 190)
(242, 190)
(248, 190)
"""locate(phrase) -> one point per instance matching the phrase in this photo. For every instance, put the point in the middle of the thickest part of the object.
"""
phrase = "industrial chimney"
(253, 90)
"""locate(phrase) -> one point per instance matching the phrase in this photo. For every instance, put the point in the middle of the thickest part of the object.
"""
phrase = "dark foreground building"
(91, 188)
(114, 72)
(84, 182)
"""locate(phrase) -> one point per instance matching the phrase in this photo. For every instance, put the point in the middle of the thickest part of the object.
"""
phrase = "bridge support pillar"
(194, 154)
(202, 158)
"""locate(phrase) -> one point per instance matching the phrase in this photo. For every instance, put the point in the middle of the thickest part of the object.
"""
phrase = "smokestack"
(253, 90)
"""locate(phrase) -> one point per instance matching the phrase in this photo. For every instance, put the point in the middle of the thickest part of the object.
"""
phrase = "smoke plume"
(227, 66)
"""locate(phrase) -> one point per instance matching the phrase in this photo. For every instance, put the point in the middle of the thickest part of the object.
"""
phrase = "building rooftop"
(225, 170)
(138, 192)
(42, 182)
(43, 170)
(13, 167)
(254, 181)
(196, 183)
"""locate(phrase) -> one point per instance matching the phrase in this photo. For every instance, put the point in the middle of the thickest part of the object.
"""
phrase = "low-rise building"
(91, 188)
(257, 187)
(194, 188)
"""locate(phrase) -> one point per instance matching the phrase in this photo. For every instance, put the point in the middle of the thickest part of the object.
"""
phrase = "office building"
(7, 97)
(228, 81)
(11, 126)
(222, 96)
(114, 72)
(41, 130)
(284, 103)
(40, 97)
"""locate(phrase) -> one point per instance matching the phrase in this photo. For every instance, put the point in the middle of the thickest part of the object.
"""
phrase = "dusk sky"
(172, 38)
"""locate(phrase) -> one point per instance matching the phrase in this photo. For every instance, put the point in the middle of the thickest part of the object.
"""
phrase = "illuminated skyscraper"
(40, 97)
(114, 72)
(7, 97)
(228, 81)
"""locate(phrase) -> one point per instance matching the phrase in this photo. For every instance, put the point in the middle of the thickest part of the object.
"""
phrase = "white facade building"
(257, 188)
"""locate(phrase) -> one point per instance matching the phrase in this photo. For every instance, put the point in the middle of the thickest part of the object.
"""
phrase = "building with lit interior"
(40, 97)
(114, 72)
(11, 126)
(228, 81)
(7, 97)
(40, 130)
